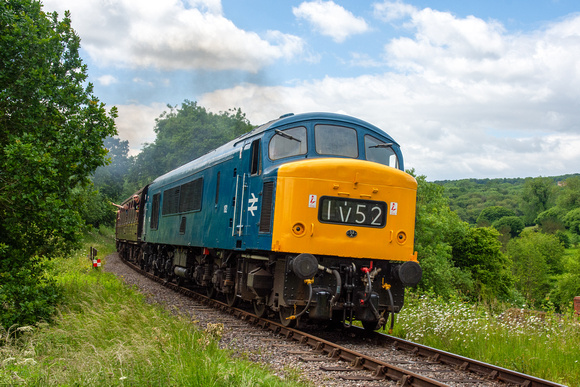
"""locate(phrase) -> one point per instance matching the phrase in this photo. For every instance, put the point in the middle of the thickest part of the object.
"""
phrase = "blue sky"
(468, 88)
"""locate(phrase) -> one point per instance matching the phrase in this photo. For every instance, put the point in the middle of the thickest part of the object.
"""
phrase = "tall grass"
(107, 334)
(545, 345)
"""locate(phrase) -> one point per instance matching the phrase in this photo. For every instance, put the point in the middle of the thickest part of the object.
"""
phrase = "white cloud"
(330, 19)
(172, 36)
(390, 11)
(468, 100)
(107, 80)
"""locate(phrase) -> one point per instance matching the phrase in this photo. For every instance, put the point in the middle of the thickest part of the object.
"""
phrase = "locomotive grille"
(191, 196)
(266, 212)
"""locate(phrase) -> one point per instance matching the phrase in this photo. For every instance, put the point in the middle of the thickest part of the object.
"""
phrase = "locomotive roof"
(291, 118)
(218, 154)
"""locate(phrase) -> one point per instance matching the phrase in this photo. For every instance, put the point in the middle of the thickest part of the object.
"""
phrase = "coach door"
(248, 188)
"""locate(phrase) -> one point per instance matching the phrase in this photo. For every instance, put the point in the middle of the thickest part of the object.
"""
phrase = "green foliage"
(569, 196)
(489, 215)
(535, 256)
(469, 197)
(455, 256)
(568, 284)
(434, 251)
(477, 250)
(545, 345)
(51, 133)
(572, 220)
(107, 334)
(564, 238)
(537, 196)
(184, 134)
(551, 219)
(94, 207)
(27, 293)
(512, 225)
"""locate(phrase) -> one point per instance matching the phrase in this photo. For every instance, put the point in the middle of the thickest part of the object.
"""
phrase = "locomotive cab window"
(380, 152)
(289, 142)
(336, 141)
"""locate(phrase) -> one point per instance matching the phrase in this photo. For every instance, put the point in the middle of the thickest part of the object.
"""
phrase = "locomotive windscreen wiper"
(383, 145)
(289, 137)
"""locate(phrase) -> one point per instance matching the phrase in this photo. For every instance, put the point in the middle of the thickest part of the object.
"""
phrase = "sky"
(469, 89)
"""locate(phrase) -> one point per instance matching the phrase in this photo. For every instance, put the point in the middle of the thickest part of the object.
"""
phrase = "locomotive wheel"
(232, 299)
(261, 310)
(210, 291)
(286, 312)
(370, 326)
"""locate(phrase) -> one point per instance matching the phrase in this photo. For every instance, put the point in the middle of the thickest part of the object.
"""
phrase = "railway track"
(381, 358)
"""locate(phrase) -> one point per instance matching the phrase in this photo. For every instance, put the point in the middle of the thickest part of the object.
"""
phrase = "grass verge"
(106, 334)
(545, 345)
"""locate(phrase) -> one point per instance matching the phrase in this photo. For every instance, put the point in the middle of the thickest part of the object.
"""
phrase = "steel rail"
(488, 370)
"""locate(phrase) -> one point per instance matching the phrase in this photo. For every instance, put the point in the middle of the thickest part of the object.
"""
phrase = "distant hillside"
(468, 197)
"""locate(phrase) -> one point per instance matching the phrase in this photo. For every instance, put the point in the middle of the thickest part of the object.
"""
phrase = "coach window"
(289, 142)
(336, 141)
(380, 151)
(255, 159)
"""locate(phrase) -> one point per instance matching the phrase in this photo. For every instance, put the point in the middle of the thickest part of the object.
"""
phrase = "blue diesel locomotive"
(310, 216)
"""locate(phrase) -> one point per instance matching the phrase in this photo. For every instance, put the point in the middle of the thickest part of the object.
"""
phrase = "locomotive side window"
(336, 141)
(155, 212)
(380, 152)
(289, 142)
(255, 159)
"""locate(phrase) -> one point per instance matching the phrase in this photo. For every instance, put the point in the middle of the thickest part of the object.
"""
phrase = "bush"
(491, 214)
(564, 238)
(27, 293)
(572, 221)
(509, 224)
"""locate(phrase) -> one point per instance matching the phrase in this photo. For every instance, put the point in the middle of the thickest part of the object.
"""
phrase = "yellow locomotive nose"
(344, 207)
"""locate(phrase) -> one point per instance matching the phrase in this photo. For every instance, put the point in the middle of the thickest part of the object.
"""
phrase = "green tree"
(51, 139)
(551, 220)
(477, 250)
(491, 214)
(433, 221)
(512, 225)
(537, 196)
(568, 285)
(569, 196)
(184, 134)
(536, 258)
(572, 220)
